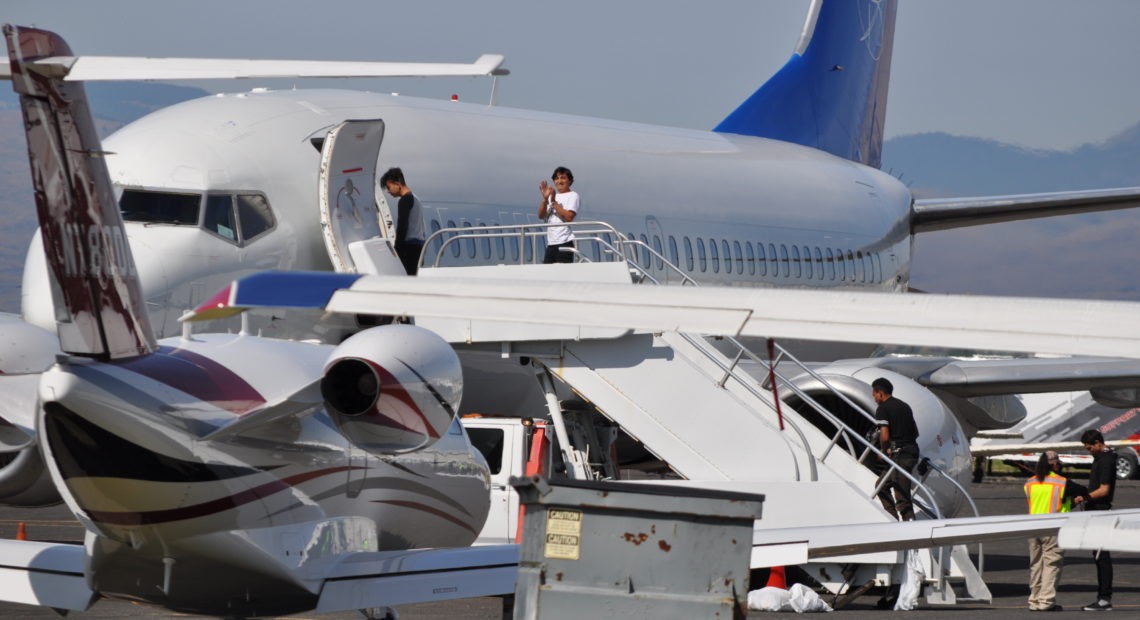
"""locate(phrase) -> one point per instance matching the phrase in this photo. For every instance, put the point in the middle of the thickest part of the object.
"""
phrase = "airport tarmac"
(1006, 572)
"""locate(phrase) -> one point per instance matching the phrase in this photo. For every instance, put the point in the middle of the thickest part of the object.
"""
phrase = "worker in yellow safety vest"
(1048, 492)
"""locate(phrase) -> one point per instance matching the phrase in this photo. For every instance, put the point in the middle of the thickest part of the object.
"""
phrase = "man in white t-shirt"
(559, 205)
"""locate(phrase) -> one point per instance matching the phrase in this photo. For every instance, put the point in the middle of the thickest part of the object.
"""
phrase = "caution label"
(563, 534)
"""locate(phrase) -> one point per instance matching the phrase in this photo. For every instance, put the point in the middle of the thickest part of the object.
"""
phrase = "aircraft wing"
(946, 213)
(393, 578)
(124, 68)
(1041, 446)
(44, 574)
(986, 377)
(1116, 530)
(1069, 327)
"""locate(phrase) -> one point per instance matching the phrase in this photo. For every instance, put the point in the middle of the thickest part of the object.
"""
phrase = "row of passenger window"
(802, 262)
(700, 255)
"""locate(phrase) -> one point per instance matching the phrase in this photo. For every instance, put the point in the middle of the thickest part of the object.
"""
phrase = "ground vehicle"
(1127, 466)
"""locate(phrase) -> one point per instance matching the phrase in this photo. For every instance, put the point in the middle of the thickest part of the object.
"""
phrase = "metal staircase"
(697, 410)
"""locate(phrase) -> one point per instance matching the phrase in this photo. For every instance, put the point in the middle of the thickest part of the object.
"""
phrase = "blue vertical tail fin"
(100, 311)
(832, 93)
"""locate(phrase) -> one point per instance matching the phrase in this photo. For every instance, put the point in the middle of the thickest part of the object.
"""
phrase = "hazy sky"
(1040, 73)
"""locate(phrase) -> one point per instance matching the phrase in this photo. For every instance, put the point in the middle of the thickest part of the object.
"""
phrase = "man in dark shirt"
(898, 438)
(1102, 486)
(409, 220)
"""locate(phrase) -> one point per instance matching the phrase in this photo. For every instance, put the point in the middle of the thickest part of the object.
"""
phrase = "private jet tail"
(100, 311)
(832, 93)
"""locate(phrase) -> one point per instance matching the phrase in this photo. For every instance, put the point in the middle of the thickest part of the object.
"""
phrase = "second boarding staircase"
(714, 425)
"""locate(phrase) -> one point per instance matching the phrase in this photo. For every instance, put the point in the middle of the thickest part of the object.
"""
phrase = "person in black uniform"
(1102, 486)
(898, 438)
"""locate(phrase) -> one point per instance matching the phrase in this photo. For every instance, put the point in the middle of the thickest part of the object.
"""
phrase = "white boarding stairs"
(713, 424)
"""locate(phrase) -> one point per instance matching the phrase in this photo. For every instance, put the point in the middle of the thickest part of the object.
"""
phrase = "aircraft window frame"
(751, 256)
(738, 254)
(807, 263)
(860, 267)
(456, 248)
(219, 217)
(774, 260)
(472, 251)
(785, 260)
(851, 264)
(761, 260)
(181, 216)
(605, 249)
(674, 257)
(646, 261)
(878, 268)
(701, 257)
(840, 266)
(819, 263)
(660, 249)
(514, 248)
(486, 243)
(714, 256)
(688, 243)
(253, 214)
(726, 253)
(437, 242)
(798, 269)
(501, 248)
(830, 264)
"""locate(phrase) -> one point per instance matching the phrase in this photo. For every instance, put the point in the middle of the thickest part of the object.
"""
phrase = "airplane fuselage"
(726, 209)
(182, 518)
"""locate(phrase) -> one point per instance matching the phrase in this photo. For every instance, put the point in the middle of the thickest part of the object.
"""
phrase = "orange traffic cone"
(21, 531)
(776, 578)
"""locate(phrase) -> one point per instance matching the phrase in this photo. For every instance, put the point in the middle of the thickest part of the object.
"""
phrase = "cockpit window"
(160, 207)
(254, 214)
(220, 218)
(236, 217)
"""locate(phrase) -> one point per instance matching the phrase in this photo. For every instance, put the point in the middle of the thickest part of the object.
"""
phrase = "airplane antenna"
(244, 324)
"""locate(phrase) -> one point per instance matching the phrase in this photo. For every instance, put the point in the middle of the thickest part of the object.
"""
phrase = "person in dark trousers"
(409, 220)
(1048, 492)
(559, 205)
(1102, 486)
(898, 438)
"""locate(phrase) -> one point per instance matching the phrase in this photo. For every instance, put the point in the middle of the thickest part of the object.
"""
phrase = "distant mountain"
(1082, 256)
(1075, 256)
(938, 164)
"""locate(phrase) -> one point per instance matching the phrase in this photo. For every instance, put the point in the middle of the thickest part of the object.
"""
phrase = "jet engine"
(393, 389)
(940, 436)
(25, 352)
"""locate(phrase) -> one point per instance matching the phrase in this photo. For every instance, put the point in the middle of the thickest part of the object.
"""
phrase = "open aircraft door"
(355, 218)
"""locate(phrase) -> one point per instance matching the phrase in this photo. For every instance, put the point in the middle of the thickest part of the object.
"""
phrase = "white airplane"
(783, 193)
(237, 475)
(231, 475)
